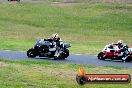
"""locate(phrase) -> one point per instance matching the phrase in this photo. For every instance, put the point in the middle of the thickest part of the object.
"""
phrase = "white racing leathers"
(57, 47)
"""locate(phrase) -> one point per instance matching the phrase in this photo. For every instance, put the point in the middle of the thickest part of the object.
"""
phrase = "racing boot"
(57, 53)
(124, 58)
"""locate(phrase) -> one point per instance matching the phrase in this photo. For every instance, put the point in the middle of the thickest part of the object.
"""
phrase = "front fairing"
(42, 43)
(66, 45)
(38, 43)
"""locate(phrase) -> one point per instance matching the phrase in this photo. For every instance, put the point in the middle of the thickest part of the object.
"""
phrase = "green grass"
(87, 26)
(44, 74)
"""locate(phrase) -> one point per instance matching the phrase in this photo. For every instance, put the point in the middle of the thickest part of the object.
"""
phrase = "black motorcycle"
(42, 49)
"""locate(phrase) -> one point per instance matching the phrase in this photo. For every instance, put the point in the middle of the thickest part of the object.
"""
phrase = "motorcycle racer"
(121, 44)
(124, 48)
(50, 47)
(56, 44)
(57, 39)
(116, 51)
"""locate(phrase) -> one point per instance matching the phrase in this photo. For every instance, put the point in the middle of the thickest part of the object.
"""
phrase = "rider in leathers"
(56, 44)
(124, 48)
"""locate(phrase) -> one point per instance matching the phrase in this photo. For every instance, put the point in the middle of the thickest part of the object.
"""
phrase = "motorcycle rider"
(56, 44)
(124, 49)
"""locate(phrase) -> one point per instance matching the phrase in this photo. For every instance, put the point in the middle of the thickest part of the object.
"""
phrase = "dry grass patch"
(2, 64)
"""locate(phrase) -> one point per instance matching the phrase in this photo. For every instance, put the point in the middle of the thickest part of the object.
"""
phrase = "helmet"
(55, 36)
(120, 42)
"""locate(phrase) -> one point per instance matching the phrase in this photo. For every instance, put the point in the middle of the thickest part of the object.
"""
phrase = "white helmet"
(120, 42)
(55, 36)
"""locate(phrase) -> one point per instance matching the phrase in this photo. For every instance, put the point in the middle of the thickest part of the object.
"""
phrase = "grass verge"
(36, 74)
(87, 26)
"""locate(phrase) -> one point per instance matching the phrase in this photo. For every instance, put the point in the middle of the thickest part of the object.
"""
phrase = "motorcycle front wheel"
(31, 53)
(101, 56)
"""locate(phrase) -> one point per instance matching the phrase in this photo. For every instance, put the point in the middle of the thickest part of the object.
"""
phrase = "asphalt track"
(77, 59)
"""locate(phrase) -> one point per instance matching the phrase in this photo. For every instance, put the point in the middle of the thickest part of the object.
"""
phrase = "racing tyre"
(31, 53)
(101, 56)
(128, 59)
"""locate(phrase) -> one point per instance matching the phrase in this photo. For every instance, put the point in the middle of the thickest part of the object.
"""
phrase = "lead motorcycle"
(42, 49)
(115, 54)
